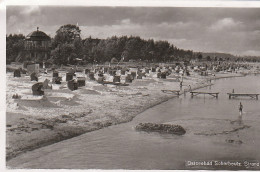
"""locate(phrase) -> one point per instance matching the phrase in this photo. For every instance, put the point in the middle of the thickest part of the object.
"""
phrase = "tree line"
(67, 47)
(14, 45)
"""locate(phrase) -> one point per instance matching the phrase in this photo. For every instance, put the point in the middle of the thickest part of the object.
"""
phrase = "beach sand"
(37, 121)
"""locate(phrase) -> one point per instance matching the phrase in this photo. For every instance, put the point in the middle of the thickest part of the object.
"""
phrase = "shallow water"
(204, 117)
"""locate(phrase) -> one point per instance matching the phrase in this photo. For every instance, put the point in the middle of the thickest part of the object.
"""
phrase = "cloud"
(200, 29)
(126, 21)
(225, 23)
(124, 28)
(31, 10)
(12, 21)
(251, 53)
(176, 25)
(164, 31)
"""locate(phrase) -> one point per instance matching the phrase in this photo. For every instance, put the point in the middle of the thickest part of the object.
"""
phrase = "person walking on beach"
(240, 109)
(181, 85)
(190, 88)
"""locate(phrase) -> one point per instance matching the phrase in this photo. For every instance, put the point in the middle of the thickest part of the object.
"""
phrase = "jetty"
(194, 93)
(177, 92)
(234, 95)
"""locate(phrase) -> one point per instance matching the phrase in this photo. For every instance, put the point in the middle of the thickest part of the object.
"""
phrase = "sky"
(211, 29)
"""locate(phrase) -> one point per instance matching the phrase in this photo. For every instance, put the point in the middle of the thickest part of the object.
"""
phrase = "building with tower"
(37, 46)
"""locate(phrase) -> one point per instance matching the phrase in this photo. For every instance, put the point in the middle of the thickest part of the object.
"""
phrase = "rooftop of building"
(37, 36)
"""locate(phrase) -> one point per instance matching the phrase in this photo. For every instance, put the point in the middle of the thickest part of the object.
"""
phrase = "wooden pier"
(194, 93)
(234, 95)
(177, 92)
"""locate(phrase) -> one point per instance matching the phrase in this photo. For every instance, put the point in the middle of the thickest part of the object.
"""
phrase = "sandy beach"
(37, 121)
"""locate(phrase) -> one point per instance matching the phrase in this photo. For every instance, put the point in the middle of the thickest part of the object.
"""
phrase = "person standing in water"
(240, 114)
(240, 109)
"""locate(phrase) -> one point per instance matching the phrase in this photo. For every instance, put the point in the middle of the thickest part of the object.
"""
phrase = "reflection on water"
(223, 135)
(238, 121)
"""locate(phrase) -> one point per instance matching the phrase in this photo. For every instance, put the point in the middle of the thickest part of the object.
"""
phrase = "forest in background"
(67, 47)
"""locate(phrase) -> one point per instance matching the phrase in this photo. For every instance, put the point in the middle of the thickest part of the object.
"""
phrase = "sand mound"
(164, 128)
(88, 91)
(36, 103)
